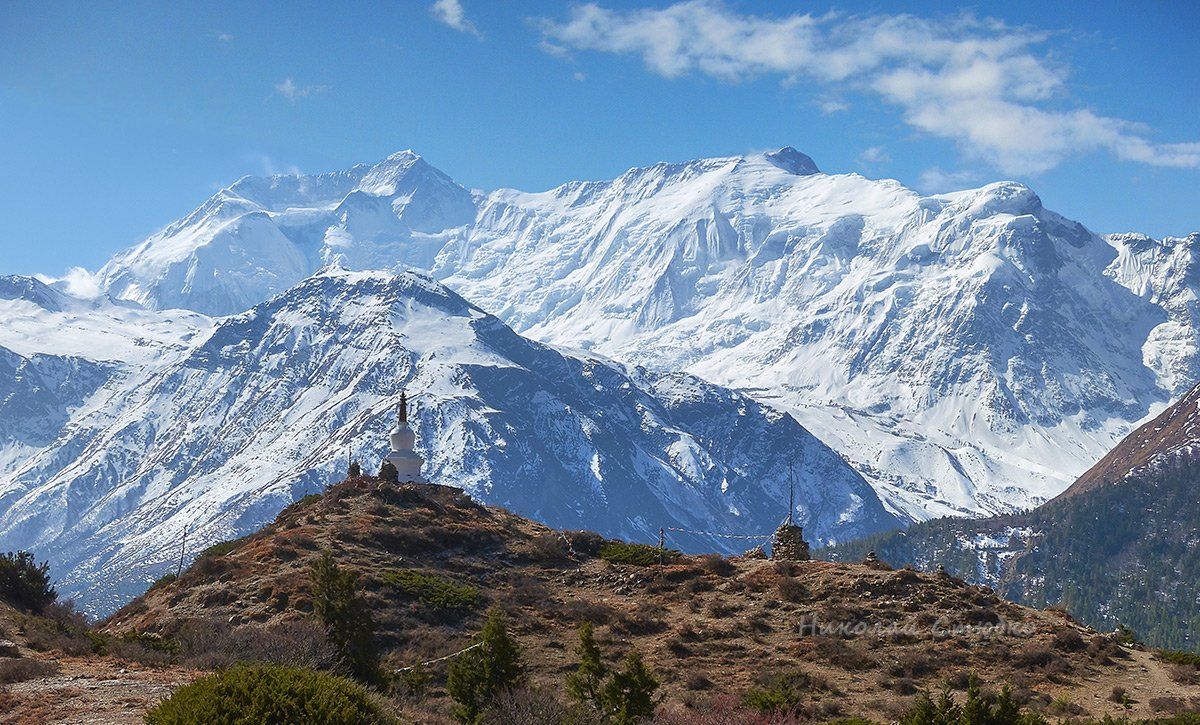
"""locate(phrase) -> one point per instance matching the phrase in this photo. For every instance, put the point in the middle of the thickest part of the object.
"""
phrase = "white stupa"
(407, 461)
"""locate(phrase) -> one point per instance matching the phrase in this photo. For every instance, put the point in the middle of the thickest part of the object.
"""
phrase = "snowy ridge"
(970, 352)
(264, 406)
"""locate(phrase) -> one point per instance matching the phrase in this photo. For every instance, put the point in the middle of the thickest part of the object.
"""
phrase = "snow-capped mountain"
(215, 427)
(261, 236)
(969, 352)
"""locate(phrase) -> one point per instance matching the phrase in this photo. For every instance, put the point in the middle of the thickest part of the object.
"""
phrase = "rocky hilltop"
(862, 638)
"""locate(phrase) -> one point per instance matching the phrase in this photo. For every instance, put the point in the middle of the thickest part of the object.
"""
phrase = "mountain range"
(969, 353)
(955, 354)
(113, 469)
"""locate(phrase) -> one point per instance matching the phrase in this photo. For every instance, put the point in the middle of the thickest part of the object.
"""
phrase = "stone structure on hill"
(406, 461)
(789, 544)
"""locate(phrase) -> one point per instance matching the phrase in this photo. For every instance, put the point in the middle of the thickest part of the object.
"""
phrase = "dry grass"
(711, 627)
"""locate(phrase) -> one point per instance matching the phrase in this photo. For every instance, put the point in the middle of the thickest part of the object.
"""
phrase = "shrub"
(476, 677)
(620, 552)
(434, 591)
(346, 617)
(791, 589)
(782, 693)
(219, 549)
(60, 627)
(587, 543)
(717, 565)
(24, 583)
(527, 706)
(145, 648)
(1180, 658)
(22, 669)
(269, 694)
(163, 580)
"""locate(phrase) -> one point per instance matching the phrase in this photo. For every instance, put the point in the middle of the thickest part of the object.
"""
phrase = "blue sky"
(115, 120)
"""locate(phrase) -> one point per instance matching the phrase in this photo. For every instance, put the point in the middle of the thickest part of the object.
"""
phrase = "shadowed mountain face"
(215, 437)
(968, 353)
(1120, 546)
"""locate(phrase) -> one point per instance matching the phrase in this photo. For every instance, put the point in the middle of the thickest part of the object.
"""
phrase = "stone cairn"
(789, 544)
(874, 562)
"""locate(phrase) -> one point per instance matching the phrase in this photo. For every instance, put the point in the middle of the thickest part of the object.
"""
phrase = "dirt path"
(91, 690)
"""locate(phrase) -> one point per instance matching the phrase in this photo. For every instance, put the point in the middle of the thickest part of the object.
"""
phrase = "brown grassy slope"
(705, 624)
(1175, 429)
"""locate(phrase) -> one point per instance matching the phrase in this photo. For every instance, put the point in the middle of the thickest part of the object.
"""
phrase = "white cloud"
(452, 14)
(830, 106)
(292, 91)
(272, 168)
(580, 76)
(987, 86)
(934, 180)
(222, 36)
(874, 155)
(77, 281)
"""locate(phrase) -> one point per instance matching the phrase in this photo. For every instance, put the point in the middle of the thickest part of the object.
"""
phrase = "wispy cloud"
(452, 14)
(874, 155)
(292, 91)
(77, 281)
(830, 106)
(221, 36)
(989, 87)
(270, 167)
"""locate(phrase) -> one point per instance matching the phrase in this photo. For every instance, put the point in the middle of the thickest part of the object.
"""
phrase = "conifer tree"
(355, 469)
(585, 684)
(628, 695)
(474, 678)
(346, 617)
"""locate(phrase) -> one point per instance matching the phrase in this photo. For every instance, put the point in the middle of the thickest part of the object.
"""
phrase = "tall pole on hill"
(791, 492)
(182, 551)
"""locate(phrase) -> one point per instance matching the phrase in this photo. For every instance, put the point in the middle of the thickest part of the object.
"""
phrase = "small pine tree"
(977, 709)
(24, 582)
(585, 684)
(355, 469)
(628, 696)
(475, 678)
(389, 473)
(346, 617)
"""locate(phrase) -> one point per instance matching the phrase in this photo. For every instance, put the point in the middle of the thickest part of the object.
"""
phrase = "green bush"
(1180, 658)
(25, 583)
(782, 692)
(269, 694)
(221, 548)
(434, 591)
(620, 552)
(163, 580)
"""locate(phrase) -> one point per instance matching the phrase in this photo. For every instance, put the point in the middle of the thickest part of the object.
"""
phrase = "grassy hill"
(841, 639)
